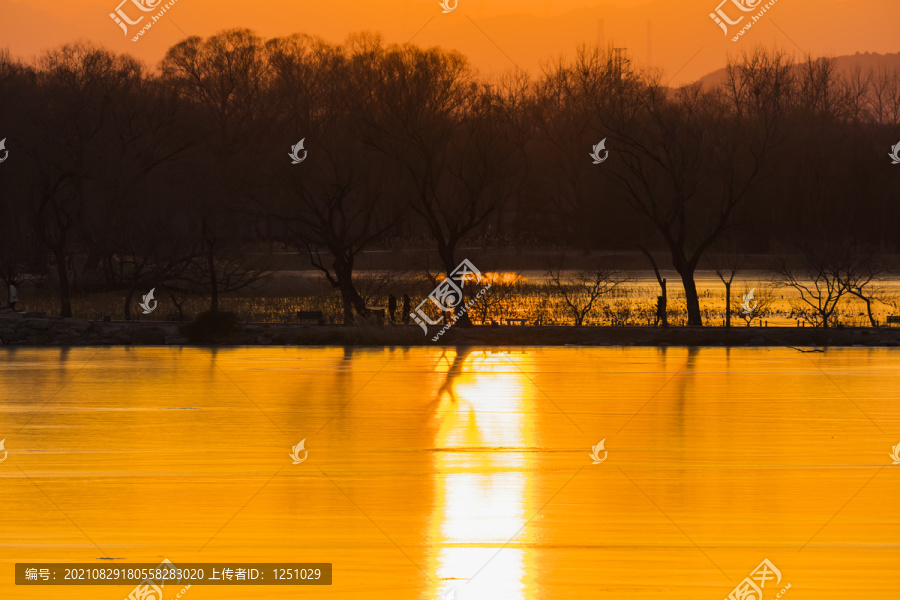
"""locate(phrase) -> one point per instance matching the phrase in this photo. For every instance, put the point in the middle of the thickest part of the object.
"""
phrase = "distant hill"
(845, 66)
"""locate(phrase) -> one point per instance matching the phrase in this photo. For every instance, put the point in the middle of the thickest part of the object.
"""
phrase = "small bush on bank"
(210, 326)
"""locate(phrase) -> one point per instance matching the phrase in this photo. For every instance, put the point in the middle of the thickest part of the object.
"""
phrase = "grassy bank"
(23, 330)
(512, 295)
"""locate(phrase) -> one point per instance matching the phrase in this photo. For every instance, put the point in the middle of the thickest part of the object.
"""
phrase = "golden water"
(428, 467)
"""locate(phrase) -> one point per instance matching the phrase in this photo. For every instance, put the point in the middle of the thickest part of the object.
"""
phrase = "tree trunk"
(662, 286)
(350, 298)
(128, 298)
(213, 281)
(868, 302)
(447, 253)
(728, 305)
(65, 302)
(348, 309)
(178, 305)
(665, 295)
(351, 301)
(690, 296)
(869, 310)
(462, 319)
(357, 301)
(131, 288)
(71, 263)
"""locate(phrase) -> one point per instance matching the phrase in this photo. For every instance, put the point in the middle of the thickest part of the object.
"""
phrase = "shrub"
(210, 326)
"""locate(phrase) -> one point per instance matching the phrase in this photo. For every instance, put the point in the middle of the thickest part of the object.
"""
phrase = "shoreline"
(18, 330)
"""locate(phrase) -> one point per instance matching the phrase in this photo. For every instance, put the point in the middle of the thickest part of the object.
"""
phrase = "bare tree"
(862, 274)
(818, 279)
(882, 103)
(21, 257)
(822, 94)
(72, 141)
(502, 289)
(581, 290)
(727, 262)
(686, 159)
(146, 239)
(139, 227)
(336, 196)
(456, 142)
(563, 109)
(755, 308)
(374, 286)
(661, 312)
(224, 77)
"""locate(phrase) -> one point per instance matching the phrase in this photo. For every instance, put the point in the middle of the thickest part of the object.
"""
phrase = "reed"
(511, 296)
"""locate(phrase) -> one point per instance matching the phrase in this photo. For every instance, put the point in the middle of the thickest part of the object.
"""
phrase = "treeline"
(121, 176)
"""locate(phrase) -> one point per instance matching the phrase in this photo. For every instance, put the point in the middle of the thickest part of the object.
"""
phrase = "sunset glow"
(678, 37)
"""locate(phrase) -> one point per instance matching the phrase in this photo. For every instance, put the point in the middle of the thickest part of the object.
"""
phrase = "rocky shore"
(34, 329)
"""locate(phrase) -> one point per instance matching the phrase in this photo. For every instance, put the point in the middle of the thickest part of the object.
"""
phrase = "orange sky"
(493, 33)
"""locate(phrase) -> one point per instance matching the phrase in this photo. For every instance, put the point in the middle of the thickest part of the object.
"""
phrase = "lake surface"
(429, 468)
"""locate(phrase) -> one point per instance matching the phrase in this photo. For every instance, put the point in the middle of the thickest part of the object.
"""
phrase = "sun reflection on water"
(481, 499)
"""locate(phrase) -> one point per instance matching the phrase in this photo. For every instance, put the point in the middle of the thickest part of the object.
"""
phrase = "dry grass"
(511, 296)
